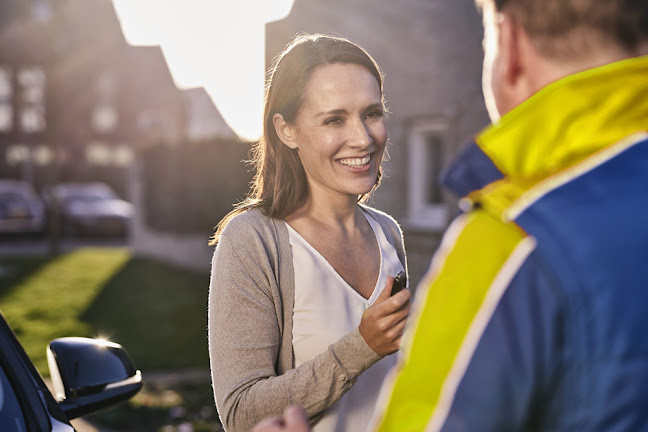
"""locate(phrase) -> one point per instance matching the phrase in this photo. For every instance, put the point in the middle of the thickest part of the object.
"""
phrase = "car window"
(11, 415)
(88, 197)
(13, 206)
(11, 197)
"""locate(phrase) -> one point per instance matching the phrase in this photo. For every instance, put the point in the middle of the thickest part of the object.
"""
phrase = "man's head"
(531, 43)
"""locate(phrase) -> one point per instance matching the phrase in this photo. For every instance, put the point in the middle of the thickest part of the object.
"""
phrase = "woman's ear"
(285, 132)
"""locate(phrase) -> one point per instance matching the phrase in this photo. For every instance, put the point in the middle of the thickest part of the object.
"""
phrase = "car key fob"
(400, 282)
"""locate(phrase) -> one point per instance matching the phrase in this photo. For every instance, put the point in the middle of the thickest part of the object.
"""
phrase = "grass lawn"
(156, 311)
(163, 407)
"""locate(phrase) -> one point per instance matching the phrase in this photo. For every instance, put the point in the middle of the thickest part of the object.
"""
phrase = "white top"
(327, 308)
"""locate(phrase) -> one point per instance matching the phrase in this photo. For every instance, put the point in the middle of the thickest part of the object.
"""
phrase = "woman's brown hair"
(279, 186)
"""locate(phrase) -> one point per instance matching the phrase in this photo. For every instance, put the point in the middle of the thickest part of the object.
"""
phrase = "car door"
(26, 404)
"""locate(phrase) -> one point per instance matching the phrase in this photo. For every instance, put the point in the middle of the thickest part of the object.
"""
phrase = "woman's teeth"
(356, 162)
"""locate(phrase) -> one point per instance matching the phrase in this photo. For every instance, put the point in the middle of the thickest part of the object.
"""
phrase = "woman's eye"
(374, 114)
(334, 121)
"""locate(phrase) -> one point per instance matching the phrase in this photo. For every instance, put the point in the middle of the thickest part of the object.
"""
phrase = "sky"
(215, 44)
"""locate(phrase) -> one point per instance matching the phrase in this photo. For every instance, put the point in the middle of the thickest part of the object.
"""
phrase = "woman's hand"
(292, 420)
(383, 323)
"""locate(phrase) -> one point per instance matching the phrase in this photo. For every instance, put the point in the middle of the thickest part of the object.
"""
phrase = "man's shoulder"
(479, 236)
(596, 206)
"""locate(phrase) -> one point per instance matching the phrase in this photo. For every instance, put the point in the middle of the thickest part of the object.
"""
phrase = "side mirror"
(90, 374)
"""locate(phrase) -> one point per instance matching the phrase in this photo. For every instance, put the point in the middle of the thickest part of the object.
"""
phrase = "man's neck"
(553, 69)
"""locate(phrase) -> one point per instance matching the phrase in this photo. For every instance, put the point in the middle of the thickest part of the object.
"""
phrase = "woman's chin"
(363, 189)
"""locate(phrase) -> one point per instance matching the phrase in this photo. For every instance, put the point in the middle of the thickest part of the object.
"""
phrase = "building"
(75, 97)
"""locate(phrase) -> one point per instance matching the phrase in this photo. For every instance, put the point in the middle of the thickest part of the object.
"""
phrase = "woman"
(300, 310)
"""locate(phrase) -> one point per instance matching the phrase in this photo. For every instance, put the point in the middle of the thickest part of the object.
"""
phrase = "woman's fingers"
(271, 424)
(292, 420)
(296, 419)
(396, 328)
(395, 305)
(386, 314)
(386, 293)
(387, 304)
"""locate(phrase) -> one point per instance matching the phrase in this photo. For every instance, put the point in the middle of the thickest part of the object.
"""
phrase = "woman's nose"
(361, 137)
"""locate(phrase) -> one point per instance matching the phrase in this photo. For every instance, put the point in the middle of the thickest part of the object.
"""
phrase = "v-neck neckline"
(374, 292)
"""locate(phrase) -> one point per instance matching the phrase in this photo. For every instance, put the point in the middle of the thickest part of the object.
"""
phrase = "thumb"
(386, 293)
(295, 417)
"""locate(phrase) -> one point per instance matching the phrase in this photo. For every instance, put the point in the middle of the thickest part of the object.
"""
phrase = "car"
(21, 209)
(89, 209)
(87, 375)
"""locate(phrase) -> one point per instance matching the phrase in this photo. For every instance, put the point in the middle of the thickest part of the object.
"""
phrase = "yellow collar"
(569, 120)
(564, 129)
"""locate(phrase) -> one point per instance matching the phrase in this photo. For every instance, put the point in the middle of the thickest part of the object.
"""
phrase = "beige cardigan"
(251, 298)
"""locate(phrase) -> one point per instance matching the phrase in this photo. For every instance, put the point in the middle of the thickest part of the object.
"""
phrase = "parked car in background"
(87, 375)
(90, 209)
(21, 209)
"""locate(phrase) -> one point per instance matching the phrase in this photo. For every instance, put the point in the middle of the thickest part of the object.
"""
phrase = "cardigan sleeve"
(245, 333)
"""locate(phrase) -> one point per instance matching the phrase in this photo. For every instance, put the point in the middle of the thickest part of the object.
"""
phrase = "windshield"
(87, 195)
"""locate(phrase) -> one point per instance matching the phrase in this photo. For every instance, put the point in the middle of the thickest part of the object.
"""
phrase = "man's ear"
(509, 45)
(285, 132)
(517, 60)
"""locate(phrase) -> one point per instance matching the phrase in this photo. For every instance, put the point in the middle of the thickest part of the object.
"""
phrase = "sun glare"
(215, 44)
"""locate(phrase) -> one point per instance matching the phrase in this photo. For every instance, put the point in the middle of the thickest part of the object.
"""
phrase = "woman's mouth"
(356, 162)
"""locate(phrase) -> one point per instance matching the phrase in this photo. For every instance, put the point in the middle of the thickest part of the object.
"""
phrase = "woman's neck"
(336, 212)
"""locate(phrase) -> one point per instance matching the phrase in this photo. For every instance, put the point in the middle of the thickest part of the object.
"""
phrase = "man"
(534, 313)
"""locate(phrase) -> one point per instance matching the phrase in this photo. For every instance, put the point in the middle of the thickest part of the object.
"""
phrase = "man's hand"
(292, 420)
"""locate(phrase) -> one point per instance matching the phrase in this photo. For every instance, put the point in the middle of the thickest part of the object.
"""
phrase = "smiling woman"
(340, 133)
(300, 310)
(195, 35)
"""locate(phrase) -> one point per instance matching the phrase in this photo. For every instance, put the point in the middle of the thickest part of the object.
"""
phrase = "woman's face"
(340, 130)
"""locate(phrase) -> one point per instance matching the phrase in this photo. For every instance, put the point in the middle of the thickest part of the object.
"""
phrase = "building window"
(41, 10)
(426, 145)
(104, 115)
(6, 92)
(31, 81)
(123, 155)
(98, 153)
(17, 154)
(42, 155)
(107, 154)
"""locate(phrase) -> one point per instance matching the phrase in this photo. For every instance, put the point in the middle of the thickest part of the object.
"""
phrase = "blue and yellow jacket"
(534, 313)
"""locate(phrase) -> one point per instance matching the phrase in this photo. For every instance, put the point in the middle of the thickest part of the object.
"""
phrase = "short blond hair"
(564, 28)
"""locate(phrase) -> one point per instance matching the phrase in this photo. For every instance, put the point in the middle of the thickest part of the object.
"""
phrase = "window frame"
(7, 100)
(26, 382)
(421, 213)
